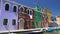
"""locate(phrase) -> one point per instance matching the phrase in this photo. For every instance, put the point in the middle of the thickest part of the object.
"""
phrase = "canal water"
(53, 32)
(50, 32)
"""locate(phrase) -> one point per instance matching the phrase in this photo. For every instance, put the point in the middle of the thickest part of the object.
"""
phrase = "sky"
(53, 5)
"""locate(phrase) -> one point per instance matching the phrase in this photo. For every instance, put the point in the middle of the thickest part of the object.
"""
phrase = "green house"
(37, 17)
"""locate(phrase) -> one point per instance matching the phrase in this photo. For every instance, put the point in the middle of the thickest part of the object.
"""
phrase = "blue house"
(8, 15)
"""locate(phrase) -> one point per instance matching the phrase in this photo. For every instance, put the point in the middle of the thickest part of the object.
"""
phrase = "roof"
(18, 4)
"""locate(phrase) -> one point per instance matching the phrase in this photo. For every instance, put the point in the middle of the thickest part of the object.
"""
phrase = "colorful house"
(50, 18)
(25, 17)
(8, 15)
(37, 17)
(44, 17)
(49, 14)
(21, 17)
(58, 20)
(29, 18)
(55, 22)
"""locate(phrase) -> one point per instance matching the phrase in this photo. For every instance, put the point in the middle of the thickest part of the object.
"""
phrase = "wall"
(49, 14)
(58, 20)
(9, 15)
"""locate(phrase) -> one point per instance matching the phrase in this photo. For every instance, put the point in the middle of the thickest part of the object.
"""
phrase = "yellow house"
(49, 14)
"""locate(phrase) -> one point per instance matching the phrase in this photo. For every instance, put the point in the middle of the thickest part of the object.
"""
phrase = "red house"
(29, 18)
(25, 17)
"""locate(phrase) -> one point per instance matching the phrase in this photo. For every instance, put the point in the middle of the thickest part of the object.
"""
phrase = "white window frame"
(22, 7)
(29, 11)
(16, 8)
(5, 5)
(7, 21)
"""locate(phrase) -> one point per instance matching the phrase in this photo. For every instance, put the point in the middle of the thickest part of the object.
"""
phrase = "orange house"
(58, 20)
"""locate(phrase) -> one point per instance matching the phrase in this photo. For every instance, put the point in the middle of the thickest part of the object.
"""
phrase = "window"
(21, 9)
(28, 23)
(14, 8)
(28, 11)
(33, 23)
(52, 18)
(5, 21)
(13, 22)
(35, 14)
(7, 7)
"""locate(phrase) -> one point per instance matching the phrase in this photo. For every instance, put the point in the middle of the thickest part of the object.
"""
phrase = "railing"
(30, 30)
(24, 30)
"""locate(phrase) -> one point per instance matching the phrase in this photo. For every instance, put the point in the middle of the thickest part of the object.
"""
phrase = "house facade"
(29, 18)
(37, 17)
(8, 15)
(21, 17)
(44, 17)
(25, 17)
(49, 14)
(58, 20)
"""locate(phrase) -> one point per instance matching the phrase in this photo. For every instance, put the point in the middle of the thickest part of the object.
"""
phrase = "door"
(21, 23)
